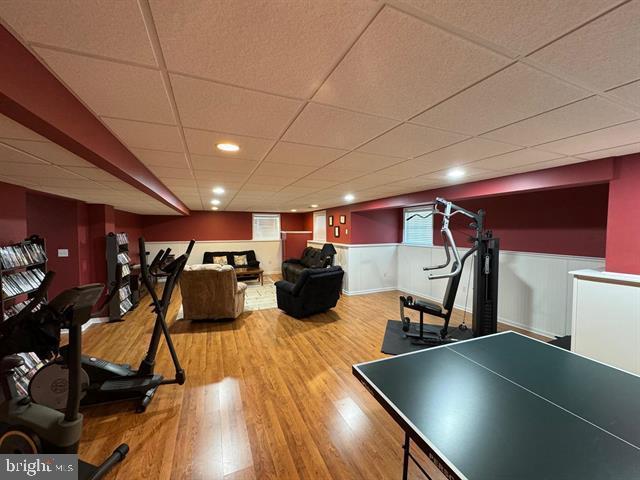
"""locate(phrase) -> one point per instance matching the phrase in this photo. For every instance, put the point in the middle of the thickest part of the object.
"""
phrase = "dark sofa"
(311, 258)
(252, 262)
(317, 290)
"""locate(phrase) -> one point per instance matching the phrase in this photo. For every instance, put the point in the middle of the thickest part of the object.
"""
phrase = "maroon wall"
(132, 225)
(623, 229)
(210, 226)
(294, 244)
(13, 213)
(377, 226)
(570, 221)
(345, 228)
(56, 219)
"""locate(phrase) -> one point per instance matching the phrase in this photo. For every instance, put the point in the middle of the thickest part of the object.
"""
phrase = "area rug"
(260, 297)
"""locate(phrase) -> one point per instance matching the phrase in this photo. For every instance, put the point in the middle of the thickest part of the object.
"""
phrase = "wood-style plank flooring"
(266, 397)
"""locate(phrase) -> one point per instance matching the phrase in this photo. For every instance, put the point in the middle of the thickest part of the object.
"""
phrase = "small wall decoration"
(331, 220)
(343, 219)
(336, 231)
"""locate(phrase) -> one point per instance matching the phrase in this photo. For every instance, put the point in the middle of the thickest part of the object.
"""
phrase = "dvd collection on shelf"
(14, 309)
(21, 255)
(118, 254)
(22, 374)
(21, 282)
(122, 238)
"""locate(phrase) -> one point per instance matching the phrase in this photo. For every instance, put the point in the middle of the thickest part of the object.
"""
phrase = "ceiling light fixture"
(349, 197)
(455, 173)
(294, 210)
(215, 201)
(313, 205)
(228, 147)
(214, 208)
(218, 190)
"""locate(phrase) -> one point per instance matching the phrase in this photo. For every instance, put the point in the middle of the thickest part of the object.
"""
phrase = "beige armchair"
(211, 292)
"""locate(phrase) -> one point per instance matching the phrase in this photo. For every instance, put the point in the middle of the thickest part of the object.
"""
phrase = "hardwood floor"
(267, 396)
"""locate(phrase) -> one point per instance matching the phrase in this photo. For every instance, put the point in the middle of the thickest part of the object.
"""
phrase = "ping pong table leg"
(405, 466)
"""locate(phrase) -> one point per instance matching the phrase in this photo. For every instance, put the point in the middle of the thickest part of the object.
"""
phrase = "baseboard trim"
(364, 292)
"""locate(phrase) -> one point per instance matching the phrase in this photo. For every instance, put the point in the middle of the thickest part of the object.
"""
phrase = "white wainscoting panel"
(268, 252)
(534, 289)
(606, 318)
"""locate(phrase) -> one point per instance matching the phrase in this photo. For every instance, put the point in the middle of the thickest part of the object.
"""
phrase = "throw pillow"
(221, 260)
(240, 260)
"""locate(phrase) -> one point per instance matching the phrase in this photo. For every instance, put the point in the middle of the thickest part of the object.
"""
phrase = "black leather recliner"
(311, 258)
(317, 290)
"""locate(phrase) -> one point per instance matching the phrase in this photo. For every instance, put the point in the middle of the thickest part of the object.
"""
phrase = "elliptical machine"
(29, 428)
(486, 249)
(105, 381)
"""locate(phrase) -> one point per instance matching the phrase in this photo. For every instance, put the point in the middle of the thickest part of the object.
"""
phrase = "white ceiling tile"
(12, 129)
(515, 93)
(93, 173)
(203, 142)
(109, 29)
(459, 154)
(332, 127)
(363, 162)
(316, 182)
(409, 140)
(604, 53)
(146, 135)
(212, 106)
(49, 152)
(284, 170)
(170, 173)
(298, 154)
(469, 173)
(517, 26)
(583, 116)
(514, 159)
(282, 47)
(160, 158)
(598, 140)
(36, 171)
(8, 154)
(628, 93)
(269, 180)
(180, 183)
(113, 89)
(220, 176)
(612, 152)
(390, 71)
(220, 164)
(559, 162)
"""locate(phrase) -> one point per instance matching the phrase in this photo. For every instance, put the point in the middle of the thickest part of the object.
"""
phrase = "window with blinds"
(418, 225)
(266, 226)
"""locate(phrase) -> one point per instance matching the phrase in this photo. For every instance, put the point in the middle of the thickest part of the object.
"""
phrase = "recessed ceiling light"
(313, 205)
(215, 201)
(228, 147)
(294, 210)
(218, 190)
(214, 208)
(349, 197)
(455, 173)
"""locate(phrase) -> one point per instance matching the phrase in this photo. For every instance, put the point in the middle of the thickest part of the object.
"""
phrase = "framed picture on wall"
(343, 219)
(331, 220)
(336, 231)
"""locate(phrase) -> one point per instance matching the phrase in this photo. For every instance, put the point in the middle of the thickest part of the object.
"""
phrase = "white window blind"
(266, 226)
(418, 225)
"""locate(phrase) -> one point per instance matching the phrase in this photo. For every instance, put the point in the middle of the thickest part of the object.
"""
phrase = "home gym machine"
(107, 381)
(29, 428)
(486, 251)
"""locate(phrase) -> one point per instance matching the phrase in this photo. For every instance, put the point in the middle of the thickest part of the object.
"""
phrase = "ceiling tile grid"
(324, 97)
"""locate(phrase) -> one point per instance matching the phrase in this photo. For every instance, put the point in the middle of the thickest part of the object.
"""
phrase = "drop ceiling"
(328, 98)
